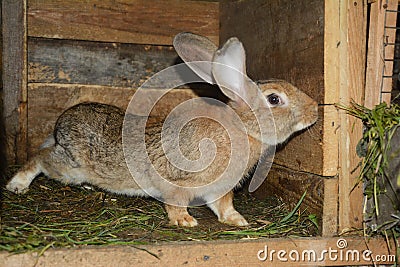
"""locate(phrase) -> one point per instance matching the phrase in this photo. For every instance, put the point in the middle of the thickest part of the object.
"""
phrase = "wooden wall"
(320, 46)
(14, 79)
(125, 21)
(100, 51)
(284, 39)
(69, 72)
(72, 51)
(54, 48)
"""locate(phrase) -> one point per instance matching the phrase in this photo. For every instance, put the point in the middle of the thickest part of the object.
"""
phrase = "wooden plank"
(14, 79)
(294, 184)
(303, 150)
(330, 142)
(287, 42)
(332, 52)
(125, 21)
(330, 217)
(331, 84)
(377, 51)
(353, 15)
(331, 168)
(3, 152)
(82, 62)
(328, 252)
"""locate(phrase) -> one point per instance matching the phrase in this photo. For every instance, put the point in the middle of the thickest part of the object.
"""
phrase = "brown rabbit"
(87, 144)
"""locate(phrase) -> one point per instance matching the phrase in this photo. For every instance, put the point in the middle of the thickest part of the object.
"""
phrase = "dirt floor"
(55, 215)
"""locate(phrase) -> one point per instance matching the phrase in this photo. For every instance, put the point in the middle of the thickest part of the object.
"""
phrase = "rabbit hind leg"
(225, 211)
(20, 182)
(176, 202)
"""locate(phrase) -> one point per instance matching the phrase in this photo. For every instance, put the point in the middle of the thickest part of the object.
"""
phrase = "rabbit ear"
(229, 71)
(194, 48)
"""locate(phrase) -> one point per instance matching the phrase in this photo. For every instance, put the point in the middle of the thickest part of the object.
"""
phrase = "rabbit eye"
(274, 99)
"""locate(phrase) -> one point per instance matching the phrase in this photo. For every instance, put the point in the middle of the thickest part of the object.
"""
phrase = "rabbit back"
(88, 149)
(88, 143)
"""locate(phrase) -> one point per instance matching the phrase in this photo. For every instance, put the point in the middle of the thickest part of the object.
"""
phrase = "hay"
(54, 215)
(380, 124)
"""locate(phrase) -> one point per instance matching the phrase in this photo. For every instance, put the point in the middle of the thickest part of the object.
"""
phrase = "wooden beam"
(331, 168)
(126, 21)
(377, 67)
(14, 79)
(331, 136)
(351, 66)
(328, 252)
(83, 62)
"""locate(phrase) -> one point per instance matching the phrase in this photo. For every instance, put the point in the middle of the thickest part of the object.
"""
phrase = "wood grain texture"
(353, 17)
(331, 123)
(330, 218)
(14, 79)
(286, 42)
(290, 185)
(303, 150)
(377, 67)
(224, 253)
(82, 62)
(331, 168)
(125, 21)
(330, 144)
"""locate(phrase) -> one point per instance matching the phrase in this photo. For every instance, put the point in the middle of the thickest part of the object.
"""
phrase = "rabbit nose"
(314, 106)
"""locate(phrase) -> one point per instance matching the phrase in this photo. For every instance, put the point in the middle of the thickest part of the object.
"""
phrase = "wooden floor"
(280, 252)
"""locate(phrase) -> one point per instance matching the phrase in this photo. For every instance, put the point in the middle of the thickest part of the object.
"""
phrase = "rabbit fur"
(86, 145)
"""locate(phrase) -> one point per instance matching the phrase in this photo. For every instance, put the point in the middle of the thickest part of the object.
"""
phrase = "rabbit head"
(292, 109)
(270, 111)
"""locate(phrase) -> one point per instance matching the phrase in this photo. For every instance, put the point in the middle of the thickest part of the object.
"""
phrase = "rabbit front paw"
(179, 216)
(186, 221)
(18, 185)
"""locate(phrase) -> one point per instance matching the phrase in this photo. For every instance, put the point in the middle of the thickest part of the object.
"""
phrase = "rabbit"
(86, 145)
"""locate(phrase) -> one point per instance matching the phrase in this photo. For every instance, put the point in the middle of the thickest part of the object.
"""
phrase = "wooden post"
(345, 47)
(331, 136)
(15, 79)
(380, 47)
(352, 49)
